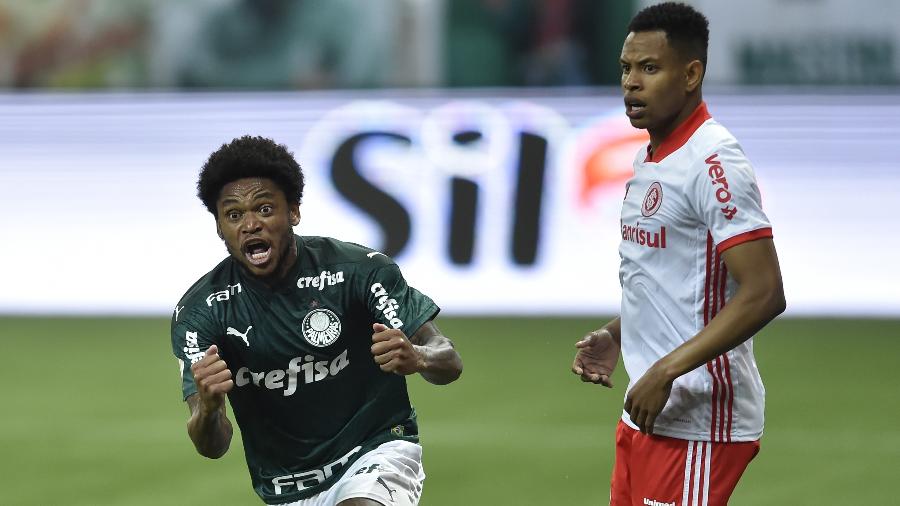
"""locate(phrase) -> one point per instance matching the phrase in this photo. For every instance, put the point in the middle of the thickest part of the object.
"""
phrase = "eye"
(265, 209)
(626, 68)
(233, 215)
(650, 68)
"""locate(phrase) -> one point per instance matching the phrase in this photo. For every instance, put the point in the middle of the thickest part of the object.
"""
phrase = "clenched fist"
(213, 380)
(394, 352)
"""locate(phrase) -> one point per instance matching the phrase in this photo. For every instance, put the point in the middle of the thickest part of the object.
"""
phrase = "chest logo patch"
(321, 327)
(652, 200)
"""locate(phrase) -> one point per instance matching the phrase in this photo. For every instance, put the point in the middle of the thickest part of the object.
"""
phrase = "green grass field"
(92, 414)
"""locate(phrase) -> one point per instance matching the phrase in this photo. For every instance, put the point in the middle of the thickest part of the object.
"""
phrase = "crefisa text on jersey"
(312, 370)
(386, 305)
(325, 278)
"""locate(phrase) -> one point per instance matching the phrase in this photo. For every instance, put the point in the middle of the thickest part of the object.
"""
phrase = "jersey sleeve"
(396, 304)
(192, 335)
(726, 196)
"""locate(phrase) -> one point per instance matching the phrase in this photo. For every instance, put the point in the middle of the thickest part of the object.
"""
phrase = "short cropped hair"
(249, 156)
(686, 29)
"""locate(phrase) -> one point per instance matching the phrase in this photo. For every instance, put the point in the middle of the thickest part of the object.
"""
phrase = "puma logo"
(231, 331)
(372, 254)
(385, 485)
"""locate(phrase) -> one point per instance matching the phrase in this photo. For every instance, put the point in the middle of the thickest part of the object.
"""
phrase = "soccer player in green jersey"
(310, 338)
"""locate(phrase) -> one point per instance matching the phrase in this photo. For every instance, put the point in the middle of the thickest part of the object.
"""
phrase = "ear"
(219, 231)
(294, 214)
(693, 76)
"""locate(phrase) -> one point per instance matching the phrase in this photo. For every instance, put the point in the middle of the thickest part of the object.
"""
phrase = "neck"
(287, 261)
(658, 135)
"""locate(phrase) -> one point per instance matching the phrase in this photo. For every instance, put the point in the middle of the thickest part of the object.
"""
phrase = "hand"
(394, 353)
(213, 379)
(648, 397)
(598, 354)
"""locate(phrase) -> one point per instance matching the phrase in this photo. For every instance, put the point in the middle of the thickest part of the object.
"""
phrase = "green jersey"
(308, 395)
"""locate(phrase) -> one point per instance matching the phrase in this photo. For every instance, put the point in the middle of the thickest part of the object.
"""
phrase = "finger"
(212, 350)
(211, 380)
(384, 358)
(577, 369)
(379, 327)
(382, 347)
(605, 381)
(394, 366)
(222, 388)
(628, 405)
(383, 335)
(649, 422)
(586, 342)
(637, 416)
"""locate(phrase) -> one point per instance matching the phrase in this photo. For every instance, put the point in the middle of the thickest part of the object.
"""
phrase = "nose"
(251, 224)
(630, 81)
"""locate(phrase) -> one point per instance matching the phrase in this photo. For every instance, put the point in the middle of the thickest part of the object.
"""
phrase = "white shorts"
(391, 474)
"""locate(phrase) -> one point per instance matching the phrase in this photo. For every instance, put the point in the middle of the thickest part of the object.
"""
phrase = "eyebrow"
(265, 194)
(648, 59)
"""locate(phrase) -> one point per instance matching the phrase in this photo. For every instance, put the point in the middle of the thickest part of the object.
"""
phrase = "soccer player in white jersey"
(699, 277)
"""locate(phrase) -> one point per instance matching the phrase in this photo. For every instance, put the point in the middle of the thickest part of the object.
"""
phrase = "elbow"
(213, 455)
(213, 452)
(456, 372)
(448, 375)
(776, 302)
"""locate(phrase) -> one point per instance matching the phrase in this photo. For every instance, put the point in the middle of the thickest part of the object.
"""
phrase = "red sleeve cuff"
(753, 235)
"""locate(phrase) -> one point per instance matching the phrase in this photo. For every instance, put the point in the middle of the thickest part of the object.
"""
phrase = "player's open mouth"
(634, 108)
(257, 251)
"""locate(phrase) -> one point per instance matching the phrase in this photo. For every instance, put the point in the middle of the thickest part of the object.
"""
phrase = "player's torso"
(662, 238)
(281, 344)
(300, 354)
(669, 269)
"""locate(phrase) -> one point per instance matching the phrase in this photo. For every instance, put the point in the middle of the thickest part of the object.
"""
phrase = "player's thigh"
(666, 470)
(390, 474)
(620, 483)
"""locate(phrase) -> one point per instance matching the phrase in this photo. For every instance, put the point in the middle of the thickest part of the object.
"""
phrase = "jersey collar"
(680, 135)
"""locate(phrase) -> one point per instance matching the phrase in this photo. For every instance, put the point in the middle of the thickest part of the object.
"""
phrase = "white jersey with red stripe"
(695, 198)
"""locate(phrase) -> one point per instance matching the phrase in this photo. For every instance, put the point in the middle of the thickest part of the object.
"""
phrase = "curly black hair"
(249, 156)
(686, 29)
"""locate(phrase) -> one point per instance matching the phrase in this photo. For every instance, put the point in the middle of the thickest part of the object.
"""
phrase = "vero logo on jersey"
(717, 175)
(389, 307)
(306, 369)
(325, 278)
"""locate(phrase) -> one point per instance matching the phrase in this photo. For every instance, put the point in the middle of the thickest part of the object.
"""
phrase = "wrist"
(665, 368)
(421, 360)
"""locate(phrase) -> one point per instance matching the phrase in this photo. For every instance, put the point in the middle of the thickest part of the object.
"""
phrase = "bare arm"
(759, 299)
(428, 352)
(209, 427)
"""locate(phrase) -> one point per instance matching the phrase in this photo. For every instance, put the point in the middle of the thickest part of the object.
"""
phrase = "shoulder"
(198, 299)
(328, 251)
(712, 141)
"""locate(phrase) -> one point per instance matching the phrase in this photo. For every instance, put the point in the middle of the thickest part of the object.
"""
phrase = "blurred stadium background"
(480, 142)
